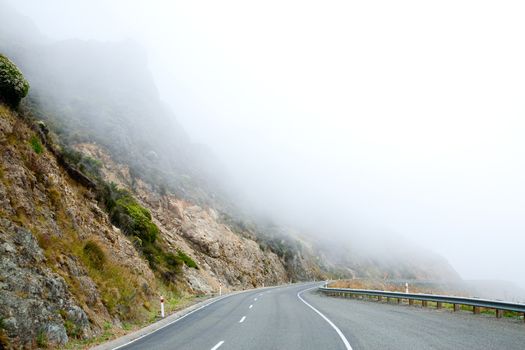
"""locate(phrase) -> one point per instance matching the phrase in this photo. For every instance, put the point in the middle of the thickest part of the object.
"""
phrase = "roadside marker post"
(162, 306)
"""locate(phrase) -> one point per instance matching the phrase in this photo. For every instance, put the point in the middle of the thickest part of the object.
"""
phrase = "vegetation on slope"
(76, 254)
(136, 221)
(13, 85)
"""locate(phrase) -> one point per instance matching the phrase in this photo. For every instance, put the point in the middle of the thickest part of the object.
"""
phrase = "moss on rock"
(13, 85)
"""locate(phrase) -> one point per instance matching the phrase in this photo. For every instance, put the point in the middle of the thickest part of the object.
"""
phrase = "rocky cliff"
(67, 272)
(50, 287)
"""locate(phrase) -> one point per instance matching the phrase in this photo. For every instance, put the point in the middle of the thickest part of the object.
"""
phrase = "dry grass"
(393, 287)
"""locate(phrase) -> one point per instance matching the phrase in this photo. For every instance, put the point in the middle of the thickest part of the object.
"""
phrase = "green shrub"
(127, 214)
(72, 329)
(90, 166)
(41, 339)
(95, 255)
(135, 220)
(187, 260)
(173, 261)
(87, 165)
(36, 145)
(13, 85)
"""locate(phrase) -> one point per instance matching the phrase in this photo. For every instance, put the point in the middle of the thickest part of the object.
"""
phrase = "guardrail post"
(410, 301)
(456, 307)
(499, 313)
(424, 303)
(439, 305)
(379, 298)
(476, 310)
(399, 300)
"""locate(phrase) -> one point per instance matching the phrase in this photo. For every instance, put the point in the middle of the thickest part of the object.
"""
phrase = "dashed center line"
(251, 306)
(242, 320)
(218, 345)
(255, 299)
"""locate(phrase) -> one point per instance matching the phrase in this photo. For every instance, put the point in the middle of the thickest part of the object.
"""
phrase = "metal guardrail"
(439, 299)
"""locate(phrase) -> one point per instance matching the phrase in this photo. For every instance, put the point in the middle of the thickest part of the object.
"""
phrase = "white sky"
(407, 116)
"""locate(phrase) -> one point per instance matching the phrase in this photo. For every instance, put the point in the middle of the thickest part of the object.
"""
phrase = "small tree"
(13, 85)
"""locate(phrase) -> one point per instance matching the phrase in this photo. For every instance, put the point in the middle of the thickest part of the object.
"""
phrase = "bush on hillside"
(89, 166)
(127, 214)
(13, 85)
(134, 220)
(187, 260)
(95, 255)
(36, 145)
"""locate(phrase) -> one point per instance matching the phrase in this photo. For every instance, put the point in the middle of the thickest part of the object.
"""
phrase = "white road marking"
(242, 319)
(255, 299)
(251, 306)
(341, 335)
(182, 317)
(218, 345)
(174, 321)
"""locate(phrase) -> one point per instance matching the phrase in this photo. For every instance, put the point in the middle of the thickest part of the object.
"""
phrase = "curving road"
(297, 317)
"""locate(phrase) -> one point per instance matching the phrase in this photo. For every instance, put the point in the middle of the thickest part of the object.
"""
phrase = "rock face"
(223, 256)
(235, 261)
(32, 297)
(48, 292)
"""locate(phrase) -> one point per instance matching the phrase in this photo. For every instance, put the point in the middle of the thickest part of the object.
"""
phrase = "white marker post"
(162, 306)
(220, 288)
(406, 287)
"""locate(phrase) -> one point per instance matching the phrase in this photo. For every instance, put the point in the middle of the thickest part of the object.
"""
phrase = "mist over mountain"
(102, 183)
(103, 92)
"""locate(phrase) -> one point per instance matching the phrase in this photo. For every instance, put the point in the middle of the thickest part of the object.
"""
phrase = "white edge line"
(172, 322)
(242, 319)
(218, 345)
(250, 306)
(189, 313)
(341, 335)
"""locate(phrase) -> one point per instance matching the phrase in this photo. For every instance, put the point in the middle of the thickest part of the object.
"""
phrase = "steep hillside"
(87, 248)
(67, 272)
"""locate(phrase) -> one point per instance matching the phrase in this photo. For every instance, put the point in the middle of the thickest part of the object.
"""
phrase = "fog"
(346, 119)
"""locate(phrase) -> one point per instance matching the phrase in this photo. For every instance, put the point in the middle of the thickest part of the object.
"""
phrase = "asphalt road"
(292, 318)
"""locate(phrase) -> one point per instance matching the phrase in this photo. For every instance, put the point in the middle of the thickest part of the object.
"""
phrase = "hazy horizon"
(346, 119)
